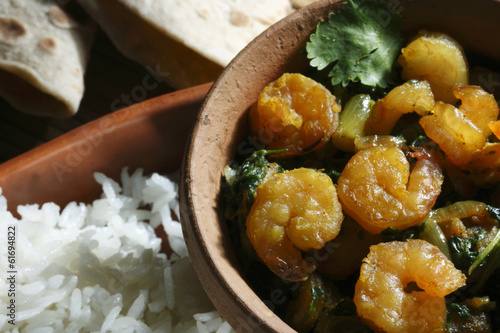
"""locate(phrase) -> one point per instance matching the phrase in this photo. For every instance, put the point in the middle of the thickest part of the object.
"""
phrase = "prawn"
(294, 113)
(378, 191)
(478, 106)
(411, 96)
(437, 58)
(461, 131)
(456, 135)
(297, 210)
(383, 295)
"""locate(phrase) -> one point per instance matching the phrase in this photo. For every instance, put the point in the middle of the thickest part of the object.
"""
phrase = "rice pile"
(98, 267)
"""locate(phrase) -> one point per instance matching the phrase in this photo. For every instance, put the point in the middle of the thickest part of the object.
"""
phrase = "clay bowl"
(151, 135)
(222, 122)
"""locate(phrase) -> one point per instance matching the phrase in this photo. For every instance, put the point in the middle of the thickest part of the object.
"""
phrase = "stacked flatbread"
(43, 55)
(44, 49)
(188, 41)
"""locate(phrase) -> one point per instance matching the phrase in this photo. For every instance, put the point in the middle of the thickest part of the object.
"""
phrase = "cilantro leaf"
(360, 42)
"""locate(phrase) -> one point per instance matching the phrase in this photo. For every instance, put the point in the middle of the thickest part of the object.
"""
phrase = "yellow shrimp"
(378, 191)
(478, 106)
(296, 113)
(460, 132)
(383, 295)
(412, 96)
(456, 135)
(295, 210)
(437, 58)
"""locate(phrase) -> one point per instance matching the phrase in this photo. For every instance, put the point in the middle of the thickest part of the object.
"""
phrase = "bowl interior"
(151, 135)
(222, 122)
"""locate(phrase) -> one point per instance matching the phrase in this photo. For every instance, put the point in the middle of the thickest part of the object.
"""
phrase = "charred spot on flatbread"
(48, 44)
(11, 29)
(60, 18)
(43, 54)
(239, 19)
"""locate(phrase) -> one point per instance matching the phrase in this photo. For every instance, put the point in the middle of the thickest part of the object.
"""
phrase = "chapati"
(43, 55)
(191, 40)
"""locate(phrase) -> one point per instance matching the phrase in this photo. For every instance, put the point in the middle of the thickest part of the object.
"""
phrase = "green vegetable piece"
(494, 212)
(482, 256)
(361, 42)
(352, 121)
(461, 310)
(245, 179)
(334, 175)
(316, 293)
(392, 234)
(488, 250)
(462, 250)
(470, 315)
(433, 233)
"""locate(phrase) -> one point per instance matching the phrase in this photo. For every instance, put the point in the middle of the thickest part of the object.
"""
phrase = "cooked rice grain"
(98, 267)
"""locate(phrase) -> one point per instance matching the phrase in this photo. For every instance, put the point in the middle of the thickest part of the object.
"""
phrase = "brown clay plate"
(151, 135)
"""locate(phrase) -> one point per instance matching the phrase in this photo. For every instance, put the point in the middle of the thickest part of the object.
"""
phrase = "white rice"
(98, 267)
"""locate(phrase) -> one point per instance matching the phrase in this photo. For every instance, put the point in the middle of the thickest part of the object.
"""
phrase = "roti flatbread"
(43, 55)
(301, 3)
(190, 40)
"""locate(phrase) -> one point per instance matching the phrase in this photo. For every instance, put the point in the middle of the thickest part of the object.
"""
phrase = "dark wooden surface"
(111, 82)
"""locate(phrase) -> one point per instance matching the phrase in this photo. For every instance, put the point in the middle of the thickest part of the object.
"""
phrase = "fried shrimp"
(411, 96)
(377, 189)
(456, 135)
(460, 132)
(439, 59)
(296, 113)
(478, 106)
(295, 210)
(385, 298)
